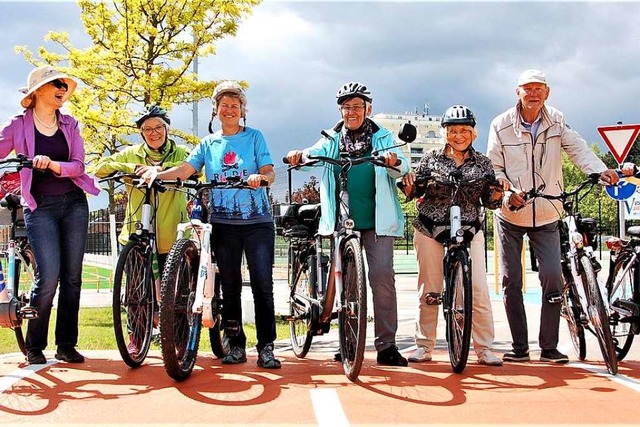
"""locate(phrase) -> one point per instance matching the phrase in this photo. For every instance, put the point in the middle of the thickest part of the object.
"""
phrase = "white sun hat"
(40, 77)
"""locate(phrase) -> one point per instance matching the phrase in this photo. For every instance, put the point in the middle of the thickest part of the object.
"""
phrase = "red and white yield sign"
(619, 139)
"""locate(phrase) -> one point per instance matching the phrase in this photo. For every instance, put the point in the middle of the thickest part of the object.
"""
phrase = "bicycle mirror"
(408, 132)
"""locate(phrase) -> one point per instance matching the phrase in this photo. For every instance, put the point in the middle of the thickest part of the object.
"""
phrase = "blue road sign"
(622, 191)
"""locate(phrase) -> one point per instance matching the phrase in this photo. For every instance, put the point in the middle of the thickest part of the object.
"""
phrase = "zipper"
(533, 176)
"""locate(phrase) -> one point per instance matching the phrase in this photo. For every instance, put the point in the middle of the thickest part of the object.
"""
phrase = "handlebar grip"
(285, 160)
(264, 183)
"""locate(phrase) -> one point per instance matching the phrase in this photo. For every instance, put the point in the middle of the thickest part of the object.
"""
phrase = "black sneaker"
(516, 356)
(35, 357)
(554, 356)
(266, 358)
(69, 354)
(236, 355)
(391, 356)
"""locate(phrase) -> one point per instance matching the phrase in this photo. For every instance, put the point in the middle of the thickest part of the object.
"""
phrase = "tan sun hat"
(40, 77)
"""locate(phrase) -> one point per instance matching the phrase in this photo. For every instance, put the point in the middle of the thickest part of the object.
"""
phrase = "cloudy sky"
(295, 55)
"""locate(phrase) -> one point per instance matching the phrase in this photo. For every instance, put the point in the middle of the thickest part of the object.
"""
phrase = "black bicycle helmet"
(458, 115)
(153, 111)
(351, 89)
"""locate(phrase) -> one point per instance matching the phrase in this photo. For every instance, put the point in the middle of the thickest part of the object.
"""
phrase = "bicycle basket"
(297, 214)
(9, 183)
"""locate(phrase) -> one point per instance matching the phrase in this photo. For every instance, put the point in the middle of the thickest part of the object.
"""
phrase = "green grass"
(96, 333)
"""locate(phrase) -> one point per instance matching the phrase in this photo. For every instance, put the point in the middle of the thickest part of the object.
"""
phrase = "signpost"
(620, 139)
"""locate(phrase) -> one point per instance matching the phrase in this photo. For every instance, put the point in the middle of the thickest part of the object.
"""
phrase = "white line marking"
(7, 381)
(328, 409)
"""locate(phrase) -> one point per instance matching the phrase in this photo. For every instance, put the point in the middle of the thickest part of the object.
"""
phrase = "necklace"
(55, 121)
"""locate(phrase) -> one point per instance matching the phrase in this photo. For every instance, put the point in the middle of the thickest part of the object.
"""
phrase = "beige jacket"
(527, 164)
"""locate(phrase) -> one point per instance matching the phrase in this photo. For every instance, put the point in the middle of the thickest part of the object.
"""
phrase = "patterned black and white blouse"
(433, 206)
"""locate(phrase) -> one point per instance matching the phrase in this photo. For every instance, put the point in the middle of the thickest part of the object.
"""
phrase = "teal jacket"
(389, 217)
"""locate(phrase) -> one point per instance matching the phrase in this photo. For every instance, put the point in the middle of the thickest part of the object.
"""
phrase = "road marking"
(7, 381)
(327, 407)
(621, 379)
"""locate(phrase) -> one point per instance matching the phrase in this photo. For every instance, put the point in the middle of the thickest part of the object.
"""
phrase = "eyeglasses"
(149, 131)
(59, 84)
(456, 132)
(354, 108)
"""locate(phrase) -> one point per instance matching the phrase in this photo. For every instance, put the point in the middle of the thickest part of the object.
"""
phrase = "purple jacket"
(18, 134)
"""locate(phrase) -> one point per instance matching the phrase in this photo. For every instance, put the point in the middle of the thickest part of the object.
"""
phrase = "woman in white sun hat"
(55, 206)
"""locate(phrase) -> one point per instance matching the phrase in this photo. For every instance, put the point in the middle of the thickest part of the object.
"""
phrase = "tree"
(309, 192)
(142, 52)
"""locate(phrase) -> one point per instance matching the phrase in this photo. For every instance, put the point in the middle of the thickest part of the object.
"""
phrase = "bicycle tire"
(458, 310)
(622, 331)
(303, 288)
(23, 289)
(571, 312)
(132, 306)
(598, 315)
(217, 336)
(352, 317)
(179, 327)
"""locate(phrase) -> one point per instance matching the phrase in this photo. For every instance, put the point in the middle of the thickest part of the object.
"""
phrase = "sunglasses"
(59, 84)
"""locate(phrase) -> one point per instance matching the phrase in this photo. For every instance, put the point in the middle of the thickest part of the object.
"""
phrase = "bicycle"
(623, 288)
(582, 304)
(455, 237)
(135, 295)
(317, 297)
(191, 293)
(20, 261)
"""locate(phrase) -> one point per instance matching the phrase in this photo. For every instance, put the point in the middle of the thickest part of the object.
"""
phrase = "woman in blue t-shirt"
(241, 218)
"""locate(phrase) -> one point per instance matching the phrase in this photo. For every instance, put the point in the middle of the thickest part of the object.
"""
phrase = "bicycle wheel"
(217, 337)
(571, 312)
(179, 326)
(458, 308)
(302, 291)
(352, 317)
(598, 315)
(133, 304)
(27, 271)
(620, 330)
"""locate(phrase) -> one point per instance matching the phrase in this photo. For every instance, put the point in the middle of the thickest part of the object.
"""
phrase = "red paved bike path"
(313, 391)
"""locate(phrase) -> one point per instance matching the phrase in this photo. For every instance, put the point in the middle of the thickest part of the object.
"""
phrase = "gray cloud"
(295, 56)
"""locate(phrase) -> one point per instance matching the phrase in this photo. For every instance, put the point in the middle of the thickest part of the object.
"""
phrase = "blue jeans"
(57, 231)
(257, 242)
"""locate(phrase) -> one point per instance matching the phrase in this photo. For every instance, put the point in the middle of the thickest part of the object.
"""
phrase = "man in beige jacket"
(525, 146)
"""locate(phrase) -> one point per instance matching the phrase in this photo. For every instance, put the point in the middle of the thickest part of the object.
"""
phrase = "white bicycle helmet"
(351, 89)
(228, 87)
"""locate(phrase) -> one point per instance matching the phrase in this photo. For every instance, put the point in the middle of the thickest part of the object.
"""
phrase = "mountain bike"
(20, 262)
(455, 237)
(135, 293)
(191, 295)
(317, 297)
(582, 304)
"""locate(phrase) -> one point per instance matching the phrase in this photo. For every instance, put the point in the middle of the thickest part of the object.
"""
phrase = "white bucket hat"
(40, 77)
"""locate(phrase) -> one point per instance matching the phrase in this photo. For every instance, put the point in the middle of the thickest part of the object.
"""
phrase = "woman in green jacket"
(158, 152)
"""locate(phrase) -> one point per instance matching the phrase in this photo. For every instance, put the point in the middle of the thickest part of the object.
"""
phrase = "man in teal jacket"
(374, 203)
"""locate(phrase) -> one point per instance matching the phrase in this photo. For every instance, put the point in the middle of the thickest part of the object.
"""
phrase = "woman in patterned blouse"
(457, 156)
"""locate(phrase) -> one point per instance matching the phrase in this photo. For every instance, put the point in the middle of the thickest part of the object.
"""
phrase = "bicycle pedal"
(232, 328)
(554, 297)
(433, 298)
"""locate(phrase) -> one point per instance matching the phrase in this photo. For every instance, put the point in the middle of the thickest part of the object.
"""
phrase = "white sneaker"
(486, 357)
(420, 354)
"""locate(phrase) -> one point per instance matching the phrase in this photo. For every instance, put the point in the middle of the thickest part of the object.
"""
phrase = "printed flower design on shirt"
(229, 161)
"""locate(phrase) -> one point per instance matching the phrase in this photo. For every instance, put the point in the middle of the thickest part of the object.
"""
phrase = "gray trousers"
(379, 254)
(545, 241)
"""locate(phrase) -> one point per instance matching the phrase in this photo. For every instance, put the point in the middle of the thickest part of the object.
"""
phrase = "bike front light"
(349, 224)
(578, 240)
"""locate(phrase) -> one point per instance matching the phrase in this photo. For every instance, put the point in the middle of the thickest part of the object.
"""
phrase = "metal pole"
(194, 116)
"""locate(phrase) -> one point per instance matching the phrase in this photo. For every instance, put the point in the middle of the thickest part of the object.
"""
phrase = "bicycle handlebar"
(162, 185)
(591, 180)
(341, 162)
(20, 160)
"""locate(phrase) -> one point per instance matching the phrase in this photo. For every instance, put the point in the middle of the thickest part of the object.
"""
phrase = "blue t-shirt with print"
(225, 156)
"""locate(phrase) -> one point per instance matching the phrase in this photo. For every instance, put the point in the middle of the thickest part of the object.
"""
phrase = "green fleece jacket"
(171, 204)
